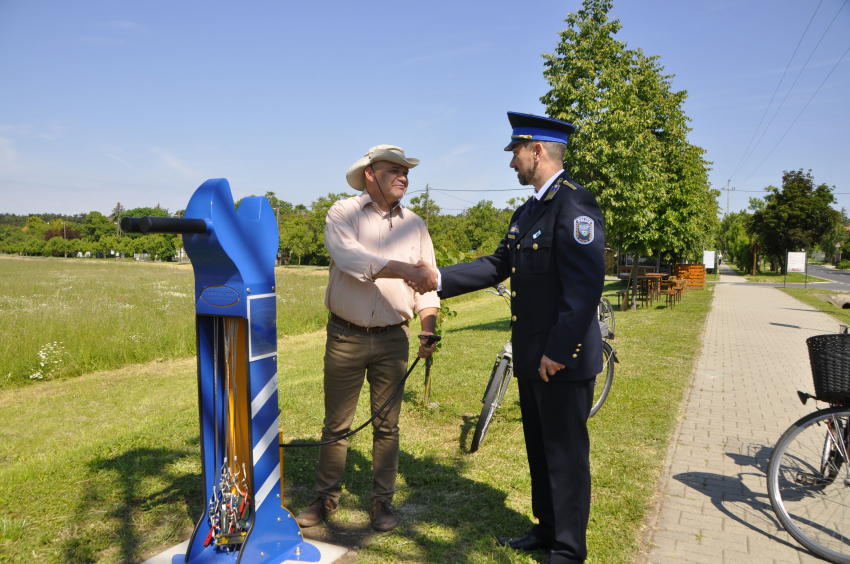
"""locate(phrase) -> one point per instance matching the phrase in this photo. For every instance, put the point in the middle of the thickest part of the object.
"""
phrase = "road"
(839, 276)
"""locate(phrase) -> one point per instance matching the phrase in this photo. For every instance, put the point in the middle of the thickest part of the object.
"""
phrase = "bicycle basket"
(830, 359)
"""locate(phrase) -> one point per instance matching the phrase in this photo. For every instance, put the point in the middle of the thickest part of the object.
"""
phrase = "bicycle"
(808, 478)
(502, 371)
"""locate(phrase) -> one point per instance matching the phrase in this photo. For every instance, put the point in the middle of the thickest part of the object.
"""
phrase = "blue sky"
(140, 102)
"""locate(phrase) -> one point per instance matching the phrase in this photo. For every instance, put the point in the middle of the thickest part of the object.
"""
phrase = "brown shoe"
(383, 518)
(319, 510)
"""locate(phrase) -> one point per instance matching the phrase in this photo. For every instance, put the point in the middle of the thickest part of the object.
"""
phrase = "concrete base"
(330, 552)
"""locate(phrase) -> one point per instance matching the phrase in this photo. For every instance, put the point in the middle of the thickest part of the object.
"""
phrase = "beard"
(525, 179)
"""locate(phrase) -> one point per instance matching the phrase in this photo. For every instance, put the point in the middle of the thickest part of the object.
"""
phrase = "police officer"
(553, 254)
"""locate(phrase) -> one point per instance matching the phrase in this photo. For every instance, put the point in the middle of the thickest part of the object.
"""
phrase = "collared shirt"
(542, 192)
(361, 243)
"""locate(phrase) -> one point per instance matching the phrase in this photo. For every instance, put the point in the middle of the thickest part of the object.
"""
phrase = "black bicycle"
(503, 368)
(808, 478)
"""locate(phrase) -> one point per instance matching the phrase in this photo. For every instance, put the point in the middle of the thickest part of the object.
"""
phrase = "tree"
(96, 227)
(797, 216)
(630, 148)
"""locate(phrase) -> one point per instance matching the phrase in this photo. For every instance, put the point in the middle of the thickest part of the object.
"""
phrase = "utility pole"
(427, 204)
(728, 189)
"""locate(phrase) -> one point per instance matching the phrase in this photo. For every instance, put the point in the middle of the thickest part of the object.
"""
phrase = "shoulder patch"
(583, 229)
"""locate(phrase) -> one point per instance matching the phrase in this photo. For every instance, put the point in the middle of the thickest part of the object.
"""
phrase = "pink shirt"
(359, 239)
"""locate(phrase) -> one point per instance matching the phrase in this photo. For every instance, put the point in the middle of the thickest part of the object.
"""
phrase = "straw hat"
(355, 176)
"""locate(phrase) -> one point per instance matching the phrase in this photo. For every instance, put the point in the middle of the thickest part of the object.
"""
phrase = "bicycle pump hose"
(431, 339)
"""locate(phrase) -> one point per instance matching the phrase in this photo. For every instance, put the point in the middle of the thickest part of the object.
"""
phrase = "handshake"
(422, 277)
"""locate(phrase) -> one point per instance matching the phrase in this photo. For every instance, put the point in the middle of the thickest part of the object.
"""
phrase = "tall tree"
(797, 216)
(630, 148)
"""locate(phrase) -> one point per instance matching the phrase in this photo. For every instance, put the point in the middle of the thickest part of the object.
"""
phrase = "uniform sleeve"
(426, 254)
(483, 272)
(581, 268)
(345, 250)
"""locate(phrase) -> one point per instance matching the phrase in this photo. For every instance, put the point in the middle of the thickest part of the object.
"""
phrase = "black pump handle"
(163, 225)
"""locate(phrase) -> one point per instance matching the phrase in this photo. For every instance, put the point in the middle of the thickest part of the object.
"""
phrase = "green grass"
(809, 297)
(776, 277)
(105, 467)
(78, 316)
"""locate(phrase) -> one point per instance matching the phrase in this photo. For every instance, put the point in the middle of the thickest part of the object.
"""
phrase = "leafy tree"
(630, 148)
(294, 237)
(97, 226)
(423, 206)
(797, 216)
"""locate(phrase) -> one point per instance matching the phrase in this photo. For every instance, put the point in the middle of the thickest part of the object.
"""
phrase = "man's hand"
(424, 278)
(424, 350)
(548, 367)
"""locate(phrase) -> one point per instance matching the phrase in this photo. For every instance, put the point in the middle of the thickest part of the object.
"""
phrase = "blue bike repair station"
(233, 256)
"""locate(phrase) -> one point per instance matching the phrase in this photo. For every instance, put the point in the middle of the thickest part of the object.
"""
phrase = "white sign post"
(708, 258)
(796, 263)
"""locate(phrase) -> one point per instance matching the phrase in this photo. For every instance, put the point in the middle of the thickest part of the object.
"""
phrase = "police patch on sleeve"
(583, 229)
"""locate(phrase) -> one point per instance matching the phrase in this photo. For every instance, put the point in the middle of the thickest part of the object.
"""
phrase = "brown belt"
(337, 319)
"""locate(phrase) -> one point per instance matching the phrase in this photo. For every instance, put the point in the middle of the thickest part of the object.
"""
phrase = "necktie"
(531, 204)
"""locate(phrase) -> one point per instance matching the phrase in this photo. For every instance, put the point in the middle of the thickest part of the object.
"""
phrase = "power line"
(801, 113)
(792, 85)
(455, 197)
(776, 90)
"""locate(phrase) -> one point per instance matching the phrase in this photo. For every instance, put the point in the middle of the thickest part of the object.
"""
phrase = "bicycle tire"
(606, 314)
(499, 379)
(810, 504)
(601, 394)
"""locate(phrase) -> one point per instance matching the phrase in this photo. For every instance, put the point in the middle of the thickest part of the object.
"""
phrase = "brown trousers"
(382, 359)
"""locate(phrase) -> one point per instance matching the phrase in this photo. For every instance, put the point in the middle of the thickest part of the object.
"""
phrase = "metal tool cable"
(431, 339)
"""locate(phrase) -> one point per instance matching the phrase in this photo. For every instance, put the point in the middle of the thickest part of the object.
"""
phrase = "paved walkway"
(714, 506)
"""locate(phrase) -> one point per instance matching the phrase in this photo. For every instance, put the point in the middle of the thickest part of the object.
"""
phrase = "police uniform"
(553, 254)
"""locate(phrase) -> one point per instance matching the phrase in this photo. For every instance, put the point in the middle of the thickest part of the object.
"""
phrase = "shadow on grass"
(445, 518)
(124, 488)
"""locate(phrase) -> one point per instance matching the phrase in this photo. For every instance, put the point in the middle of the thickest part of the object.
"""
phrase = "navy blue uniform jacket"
(556, 276)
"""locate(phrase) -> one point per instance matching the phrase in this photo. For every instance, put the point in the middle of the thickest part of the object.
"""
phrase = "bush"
(843, 264)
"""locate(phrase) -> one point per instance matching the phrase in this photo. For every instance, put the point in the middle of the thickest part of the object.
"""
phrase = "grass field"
(809, 296)
(105, 467)
(78, 316)
(776, 277)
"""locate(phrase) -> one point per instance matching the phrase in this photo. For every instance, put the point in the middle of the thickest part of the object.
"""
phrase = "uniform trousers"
(554, 420)
(350, 356)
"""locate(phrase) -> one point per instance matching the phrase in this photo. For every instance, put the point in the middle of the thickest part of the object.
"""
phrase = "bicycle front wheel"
(809, 484)
(604, 379)
(492, 400)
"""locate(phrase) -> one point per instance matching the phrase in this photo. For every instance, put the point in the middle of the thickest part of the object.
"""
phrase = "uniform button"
(578, 345)
(518, 245)
(575, 356)
(513, 269)
(578, 350)
(534, 246)
(513, 294)
(509, 245)
(513, 318)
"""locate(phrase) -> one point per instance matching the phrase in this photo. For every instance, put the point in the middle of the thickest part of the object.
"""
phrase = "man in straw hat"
(374, 243)
(553, 253)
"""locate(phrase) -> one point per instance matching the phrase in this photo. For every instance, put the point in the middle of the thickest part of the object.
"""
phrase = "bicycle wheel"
(498, 384)
(808, 490)
(604, 379)
(606, 314)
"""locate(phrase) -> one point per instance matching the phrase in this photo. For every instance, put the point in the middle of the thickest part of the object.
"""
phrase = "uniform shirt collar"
(365, 199)
(542, 192)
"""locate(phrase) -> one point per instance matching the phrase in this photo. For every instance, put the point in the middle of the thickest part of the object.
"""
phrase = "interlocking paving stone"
(713, 498)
